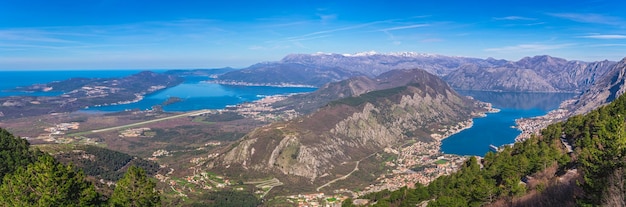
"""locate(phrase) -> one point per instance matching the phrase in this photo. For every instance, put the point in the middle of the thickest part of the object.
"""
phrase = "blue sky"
(151, 34)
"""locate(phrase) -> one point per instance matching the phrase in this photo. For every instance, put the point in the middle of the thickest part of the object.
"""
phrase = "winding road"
(356, 167)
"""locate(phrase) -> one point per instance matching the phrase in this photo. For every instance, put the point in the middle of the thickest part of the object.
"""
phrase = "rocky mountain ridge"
(531, 74)
(605, 90)
(349, 129)
(309, 102)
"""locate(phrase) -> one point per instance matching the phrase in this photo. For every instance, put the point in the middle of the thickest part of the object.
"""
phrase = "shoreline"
(241, 83)
(533, 125)
(455, 129)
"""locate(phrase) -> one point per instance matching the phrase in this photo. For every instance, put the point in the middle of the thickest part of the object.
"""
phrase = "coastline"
(241, 83)
(467, 123)
(533, 125)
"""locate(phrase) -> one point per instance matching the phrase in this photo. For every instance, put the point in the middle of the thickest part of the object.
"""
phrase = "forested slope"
(33, 178)
(539, 171)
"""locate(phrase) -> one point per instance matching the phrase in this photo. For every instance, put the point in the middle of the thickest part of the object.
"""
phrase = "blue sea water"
(497, 128)
(195, 93)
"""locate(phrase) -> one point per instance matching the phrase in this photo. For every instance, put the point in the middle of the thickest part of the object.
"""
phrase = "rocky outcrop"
(604, 91)
(350, 129)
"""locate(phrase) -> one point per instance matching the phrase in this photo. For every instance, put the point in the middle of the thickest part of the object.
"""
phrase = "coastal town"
(532, 126)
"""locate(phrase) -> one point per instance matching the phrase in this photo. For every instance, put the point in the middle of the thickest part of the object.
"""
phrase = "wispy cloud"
(326, 18)
(30, 36)
(132, 35)
(528, 47)
(404, 27)
(605, 36)
(352, 27)
(515, 18)
(608, 45)
(275, 47)
(589, 18)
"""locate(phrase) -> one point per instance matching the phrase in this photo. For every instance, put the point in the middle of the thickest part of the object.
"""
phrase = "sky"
(185, 34)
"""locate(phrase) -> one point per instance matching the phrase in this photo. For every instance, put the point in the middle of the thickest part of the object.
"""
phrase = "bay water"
(498, 128)
(195, 92)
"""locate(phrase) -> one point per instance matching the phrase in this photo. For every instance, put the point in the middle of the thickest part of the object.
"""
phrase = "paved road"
(193, 113)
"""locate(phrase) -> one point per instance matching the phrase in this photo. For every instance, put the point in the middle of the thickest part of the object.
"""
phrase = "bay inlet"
(498, 128)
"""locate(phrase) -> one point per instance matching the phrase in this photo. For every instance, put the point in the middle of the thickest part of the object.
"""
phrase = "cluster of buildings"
(97, 91)
(317, 200)
(160, 153)
(446, 132)
(432, 164)
(530, 126)
(60, 129)
(262, 109)
(134, 132)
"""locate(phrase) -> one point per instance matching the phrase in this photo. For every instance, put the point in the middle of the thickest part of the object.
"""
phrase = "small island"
(171, 100)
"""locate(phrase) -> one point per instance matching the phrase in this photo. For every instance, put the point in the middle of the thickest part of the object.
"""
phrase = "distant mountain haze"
(530, 74)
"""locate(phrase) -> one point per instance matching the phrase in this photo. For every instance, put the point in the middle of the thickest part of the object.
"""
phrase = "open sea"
(195, 93)
(497, 128)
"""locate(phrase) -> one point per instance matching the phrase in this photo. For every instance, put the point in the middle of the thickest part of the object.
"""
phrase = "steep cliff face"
(472, 77)
(350, 129)
(536, 74)
(605, 90)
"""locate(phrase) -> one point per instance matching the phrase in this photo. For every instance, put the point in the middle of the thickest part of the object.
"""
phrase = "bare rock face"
(604, 91)
(471, 77)
(351, 128)
(530, 74)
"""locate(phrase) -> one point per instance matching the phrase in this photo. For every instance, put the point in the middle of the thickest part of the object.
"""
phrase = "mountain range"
(530, 74)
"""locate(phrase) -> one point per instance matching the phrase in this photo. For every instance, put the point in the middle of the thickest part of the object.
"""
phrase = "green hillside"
(539, 171)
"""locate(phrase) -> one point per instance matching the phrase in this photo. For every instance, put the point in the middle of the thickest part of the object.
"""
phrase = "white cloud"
(404, 27)
(608, 45)
(605, 37)
(589, 18)
(514, 18)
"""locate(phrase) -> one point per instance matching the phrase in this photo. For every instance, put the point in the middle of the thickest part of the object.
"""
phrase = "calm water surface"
(497, 128)
(195, 93)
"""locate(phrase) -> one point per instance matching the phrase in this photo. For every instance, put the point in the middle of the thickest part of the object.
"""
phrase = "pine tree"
(14, 153)
(47, 183)
(135, 189)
